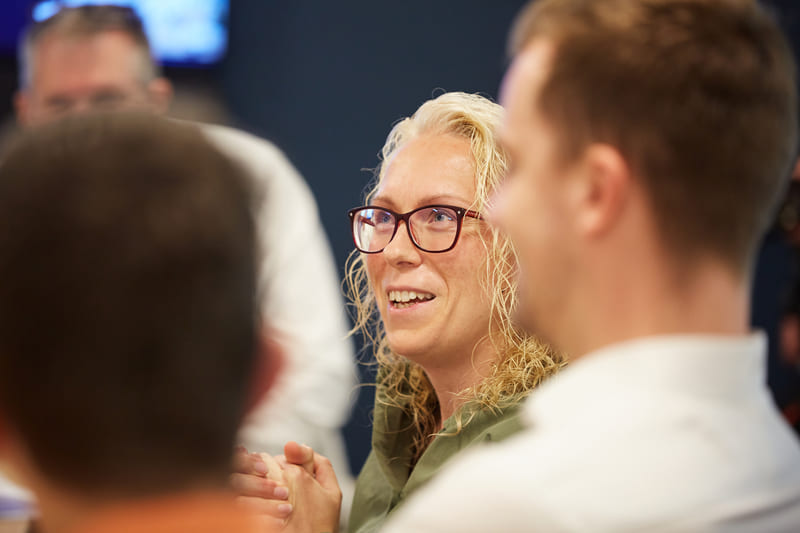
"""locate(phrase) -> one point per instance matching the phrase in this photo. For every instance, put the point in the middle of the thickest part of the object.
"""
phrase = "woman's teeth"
(401, 299)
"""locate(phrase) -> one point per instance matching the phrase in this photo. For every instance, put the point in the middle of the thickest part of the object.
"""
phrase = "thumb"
(300, 455)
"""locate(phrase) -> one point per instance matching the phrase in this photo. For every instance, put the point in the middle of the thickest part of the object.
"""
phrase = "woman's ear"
(268, 366)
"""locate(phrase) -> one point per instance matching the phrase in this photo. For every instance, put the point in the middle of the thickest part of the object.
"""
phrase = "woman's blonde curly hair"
(523, 361)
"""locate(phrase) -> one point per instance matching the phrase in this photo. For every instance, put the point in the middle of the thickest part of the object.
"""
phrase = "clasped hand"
(292, 493)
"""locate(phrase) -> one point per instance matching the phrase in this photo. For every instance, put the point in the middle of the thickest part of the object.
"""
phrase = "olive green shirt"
(387, 478)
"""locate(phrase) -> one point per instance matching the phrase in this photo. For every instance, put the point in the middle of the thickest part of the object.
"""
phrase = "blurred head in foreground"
(128, 322)
(650, 142)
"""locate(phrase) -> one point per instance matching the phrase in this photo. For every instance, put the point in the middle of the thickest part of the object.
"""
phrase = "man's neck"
(705, 299)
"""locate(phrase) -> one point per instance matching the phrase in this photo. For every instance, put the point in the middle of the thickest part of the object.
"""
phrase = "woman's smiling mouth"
(403, 299)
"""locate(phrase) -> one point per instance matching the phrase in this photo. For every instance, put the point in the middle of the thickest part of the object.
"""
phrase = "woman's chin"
(411, 346)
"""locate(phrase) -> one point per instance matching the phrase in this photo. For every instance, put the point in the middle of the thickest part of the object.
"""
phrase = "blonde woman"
(433, 287)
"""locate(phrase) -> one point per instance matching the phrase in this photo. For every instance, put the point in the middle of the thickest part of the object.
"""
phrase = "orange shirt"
(192, 513)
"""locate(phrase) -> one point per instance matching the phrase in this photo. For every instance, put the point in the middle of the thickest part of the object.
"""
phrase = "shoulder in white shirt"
(657, 434)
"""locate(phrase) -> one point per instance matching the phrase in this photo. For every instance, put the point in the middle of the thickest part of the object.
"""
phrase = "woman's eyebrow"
(446, 199)
(382, 200)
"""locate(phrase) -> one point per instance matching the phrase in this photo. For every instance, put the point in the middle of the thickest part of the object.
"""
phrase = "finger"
(314, 502)
(248, 463)
(300, 455)
(249, 485)
(296, 478)
(274, 470)
(260, 506)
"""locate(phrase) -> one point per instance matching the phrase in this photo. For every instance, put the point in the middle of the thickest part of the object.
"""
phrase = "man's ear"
(22, 107)
(160, 93)
(268, 367)
(603, 189)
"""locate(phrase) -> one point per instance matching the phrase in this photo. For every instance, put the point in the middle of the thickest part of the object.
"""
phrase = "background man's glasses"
(432, 228)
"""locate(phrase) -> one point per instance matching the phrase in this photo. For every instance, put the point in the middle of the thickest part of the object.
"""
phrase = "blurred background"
(326, 80)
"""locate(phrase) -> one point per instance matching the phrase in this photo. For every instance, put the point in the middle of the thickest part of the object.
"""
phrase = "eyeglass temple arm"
(473, 214)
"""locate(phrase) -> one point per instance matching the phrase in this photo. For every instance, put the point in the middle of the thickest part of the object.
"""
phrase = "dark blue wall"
(326, 80)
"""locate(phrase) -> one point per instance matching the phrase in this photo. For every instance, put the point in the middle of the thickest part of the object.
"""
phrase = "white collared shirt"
(673, 433)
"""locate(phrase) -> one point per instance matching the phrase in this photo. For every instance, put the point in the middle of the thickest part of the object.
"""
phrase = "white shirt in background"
(302, 299)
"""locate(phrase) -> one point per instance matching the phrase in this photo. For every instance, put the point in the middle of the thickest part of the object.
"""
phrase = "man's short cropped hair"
(128, 313)
(88, 21)
(699, 97)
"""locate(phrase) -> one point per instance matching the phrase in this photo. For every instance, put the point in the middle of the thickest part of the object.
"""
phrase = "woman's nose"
(401, 250)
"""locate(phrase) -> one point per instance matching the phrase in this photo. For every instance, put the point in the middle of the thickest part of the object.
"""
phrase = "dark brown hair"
(698, 96)
(127, 302)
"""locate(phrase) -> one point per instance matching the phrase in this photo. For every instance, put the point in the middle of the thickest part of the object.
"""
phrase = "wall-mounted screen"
(181, 32)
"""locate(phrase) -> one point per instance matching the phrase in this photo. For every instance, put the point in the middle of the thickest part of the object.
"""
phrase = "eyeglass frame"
(461, 212)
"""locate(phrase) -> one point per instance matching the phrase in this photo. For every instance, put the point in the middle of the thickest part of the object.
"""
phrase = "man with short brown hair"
(650, 141)
(131, 345)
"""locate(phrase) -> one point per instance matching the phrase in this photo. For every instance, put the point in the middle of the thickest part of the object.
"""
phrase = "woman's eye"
(384, 219)
(440, 216)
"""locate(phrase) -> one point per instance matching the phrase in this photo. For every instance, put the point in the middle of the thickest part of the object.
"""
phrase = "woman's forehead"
(438, 169)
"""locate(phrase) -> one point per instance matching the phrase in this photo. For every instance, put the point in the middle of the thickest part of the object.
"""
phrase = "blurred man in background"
(650, 142)
(98, 57)
(131, 341)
